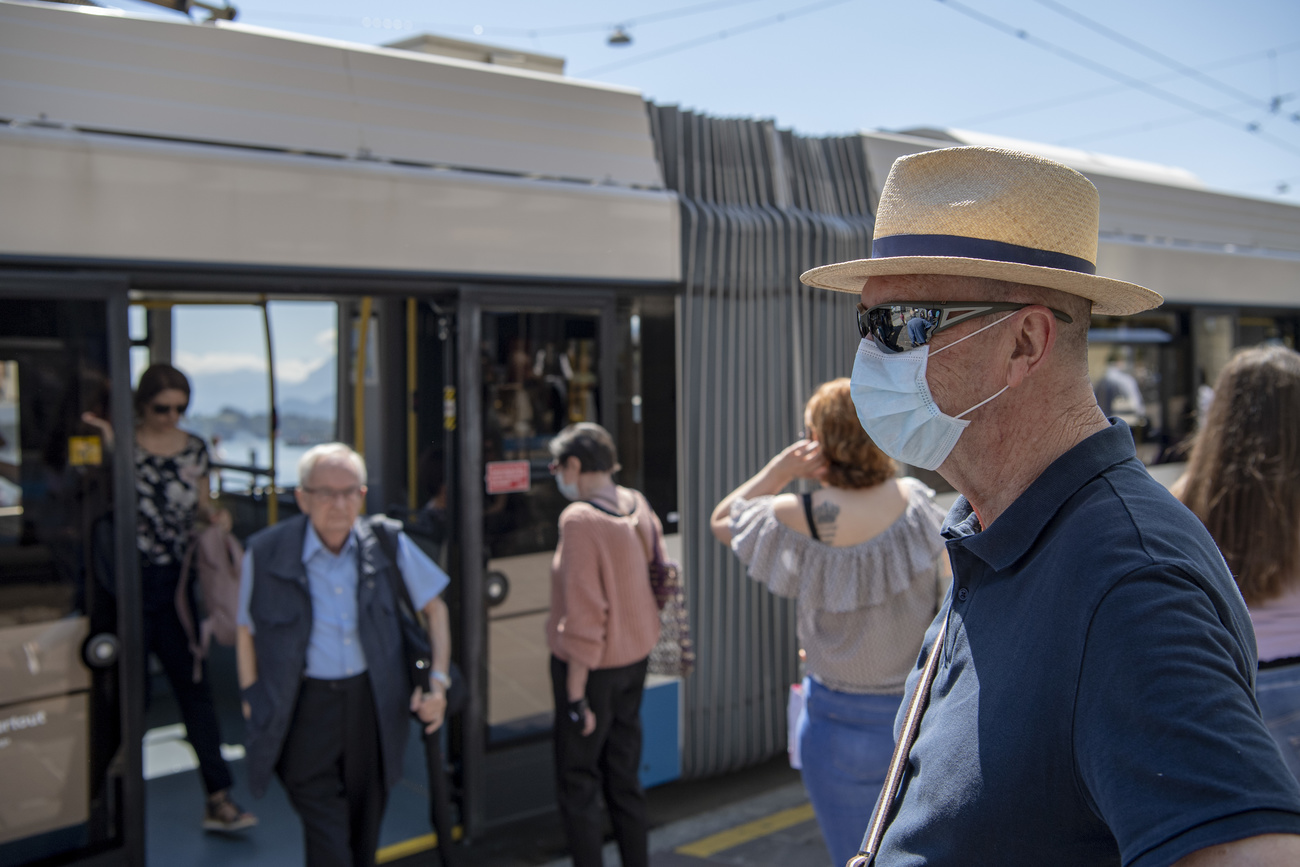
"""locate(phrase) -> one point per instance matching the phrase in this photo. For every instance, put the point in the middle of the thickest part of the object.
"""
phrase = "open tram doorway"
(528, 365)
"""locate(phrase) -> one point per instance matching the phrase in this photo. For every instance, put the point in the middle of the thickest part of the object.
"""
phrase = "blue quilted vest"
(280, 609)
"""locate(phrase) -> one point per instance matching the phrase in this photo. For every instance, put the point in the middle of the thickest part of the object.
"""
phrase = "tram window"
(137, 322)
(223, 351)
(139, 361)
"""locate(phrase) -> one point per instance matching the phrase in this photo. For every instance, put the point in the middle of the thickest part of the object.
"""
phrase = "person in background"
(1243, 482)
(321, 667)
(602, 626)
(171, 484)
(864, 558)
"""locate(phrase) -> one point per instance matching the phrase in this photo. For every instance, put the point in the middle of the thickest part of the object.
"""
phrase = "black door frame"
(474, 300)
(112, 289)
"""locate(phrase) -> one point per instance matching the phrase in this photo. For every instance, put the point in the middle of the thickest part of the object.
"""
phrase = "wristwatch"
(578, 709)
(441, 677)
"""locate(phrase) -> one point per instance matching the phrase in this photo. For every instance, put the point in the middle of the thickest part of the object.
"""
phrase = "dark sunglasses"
(900, 327)
(166, 408)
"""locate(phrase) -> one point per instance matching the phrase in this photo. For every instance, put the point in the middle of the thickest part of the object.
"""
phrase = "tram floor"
(756, 817)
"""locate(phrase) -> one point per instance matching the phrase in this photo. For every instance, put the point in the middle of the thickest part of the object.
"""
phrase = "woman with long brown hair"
(864, 558)
(1243, 482)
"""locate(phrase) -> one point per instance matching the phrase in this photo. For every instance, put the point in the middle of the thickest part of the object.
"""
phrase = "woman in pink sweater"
(602, 625)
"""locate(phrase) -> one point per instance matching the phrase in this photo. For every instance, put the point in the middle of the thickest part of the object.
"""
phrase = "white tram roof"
(234, 84)
(132, 138)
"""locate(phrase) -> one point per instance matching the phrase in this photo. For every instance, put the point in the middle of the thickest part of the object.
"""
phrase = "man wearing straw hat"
(1086, 696)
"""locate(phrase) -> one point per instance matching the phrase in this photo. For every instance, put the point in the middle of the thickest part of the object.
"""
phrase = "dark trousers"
(165, 638)
(605, 761)
(331, 769)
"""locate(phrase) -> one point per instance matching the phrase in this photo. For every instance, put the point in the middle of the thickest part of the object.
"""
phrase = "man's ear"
(1035, 335)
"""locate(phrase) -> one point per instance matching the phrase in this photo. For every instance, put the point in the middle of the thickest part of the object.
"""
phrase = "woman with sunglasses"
(1243, 482)
(171, 484)
(864, 558)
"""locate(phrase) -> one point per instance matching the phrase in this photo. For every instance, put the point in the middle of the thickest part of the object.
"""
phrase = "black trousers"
(331, 769)
(605, 761)
(165, 638)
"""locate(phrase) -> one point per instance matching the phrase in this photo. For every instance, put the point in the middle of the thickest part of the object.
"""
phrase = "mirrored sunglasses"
(900, 327)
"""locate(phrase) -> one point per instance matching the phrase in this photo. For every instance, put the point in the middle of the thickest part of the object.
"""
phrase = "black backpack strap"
(386, 531)
(807, 512)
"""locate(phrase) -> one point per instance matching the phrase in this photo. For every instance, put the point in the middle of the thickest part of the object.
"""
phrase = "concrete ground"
(758, 816)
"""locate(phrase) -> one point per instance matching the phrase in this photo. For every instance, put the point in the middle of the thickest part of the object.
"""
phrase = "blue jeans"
(845, 741)
(1278, 692)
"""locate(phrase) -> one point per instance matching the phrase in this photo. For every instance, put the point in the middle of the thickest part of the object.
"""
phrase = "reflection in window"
(540, 373)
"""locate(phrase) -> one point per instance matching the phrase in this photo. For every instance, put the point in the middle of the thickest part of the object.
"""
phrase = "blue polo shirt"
(1095, 699)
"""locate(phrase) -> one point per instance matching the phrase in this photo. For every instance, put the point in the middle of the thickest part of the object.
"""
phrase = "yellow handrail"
(272, 418)
(359, 386)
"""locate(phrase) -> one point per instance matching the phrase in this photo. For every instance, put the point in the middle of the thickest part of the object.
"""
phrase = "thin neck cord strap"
(885, 803)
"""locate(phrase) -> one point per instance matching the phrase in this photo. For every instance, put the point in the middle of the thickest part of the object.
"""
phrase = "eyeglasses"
(900, 327)
(332, 494)
(557, 464)
(167, 408)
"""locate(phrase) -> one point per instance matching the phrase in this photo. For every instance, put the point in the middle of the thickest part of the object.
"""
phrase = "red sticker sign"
(508, 477)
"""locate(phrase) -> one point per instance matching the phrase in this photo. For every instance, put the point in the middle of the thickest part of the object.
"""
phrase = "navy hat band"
(892, 246)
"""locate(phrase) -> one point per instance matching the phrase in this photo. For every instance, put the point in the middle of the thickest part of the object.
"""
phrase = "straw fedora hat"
(989, 212)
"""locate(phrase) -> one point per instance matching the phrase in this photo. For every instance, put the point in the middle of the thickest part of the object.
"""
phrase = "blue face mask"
(568, 490)
(896, 408)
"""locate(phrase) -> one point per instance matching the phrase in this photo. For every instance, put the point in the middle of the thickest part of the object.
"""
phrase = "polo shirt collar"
(311, 543)
(1021, 524)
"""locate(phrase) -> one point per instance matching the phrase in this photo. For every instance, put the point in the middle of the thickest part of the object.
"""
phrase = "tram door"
(62, 766)
(541, 371)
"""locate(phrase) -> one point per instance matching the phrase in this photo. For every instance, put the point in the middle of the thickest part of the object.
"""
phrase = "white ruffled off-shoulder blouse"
(863, 609)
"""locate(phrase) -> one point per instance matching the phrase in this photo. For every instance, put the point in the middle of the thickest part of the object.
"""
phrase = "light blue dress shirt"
(334, 650)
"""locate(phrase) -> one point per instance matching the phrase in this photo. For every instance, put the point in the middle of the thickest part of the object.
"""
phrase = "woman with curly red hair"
(864, 558)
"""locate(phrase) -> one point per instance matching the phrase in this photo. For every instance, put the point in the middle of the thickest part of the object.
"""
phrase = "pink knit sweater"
(603, 613)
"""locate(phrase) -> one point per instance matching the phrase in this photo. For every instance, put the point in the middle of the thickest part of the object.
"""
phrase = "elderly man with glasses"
(1086, 694)
(321, 665)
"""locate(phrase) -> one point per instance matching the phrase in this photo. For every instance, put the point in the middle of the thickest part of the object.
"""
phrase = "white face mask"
(567, 489)
(896, 408)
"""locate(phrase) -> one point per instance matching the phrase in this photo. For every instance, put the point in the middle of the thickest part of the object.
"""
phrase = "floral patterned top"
(167, 497)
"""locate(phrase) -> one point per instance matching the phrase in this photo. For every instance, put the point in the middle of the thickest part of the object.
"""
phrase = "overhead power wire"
(1057, 102)
(713, 37)
(1151, 53)
(1102, 69)
(1145, 126)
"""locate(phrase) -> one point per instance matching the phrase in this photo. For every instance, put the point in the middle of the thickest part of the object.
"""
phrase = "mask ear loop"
(981, 403)
(972, 334)
(968, 337)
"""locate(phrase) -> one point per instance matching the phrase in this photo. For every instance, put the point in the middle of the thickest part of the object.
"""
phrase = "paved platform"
(776, 829)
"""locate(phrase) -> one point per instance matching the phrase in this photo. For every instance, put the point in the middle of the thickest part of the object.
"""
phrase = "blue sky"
(223, 350)
(1212, 87)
